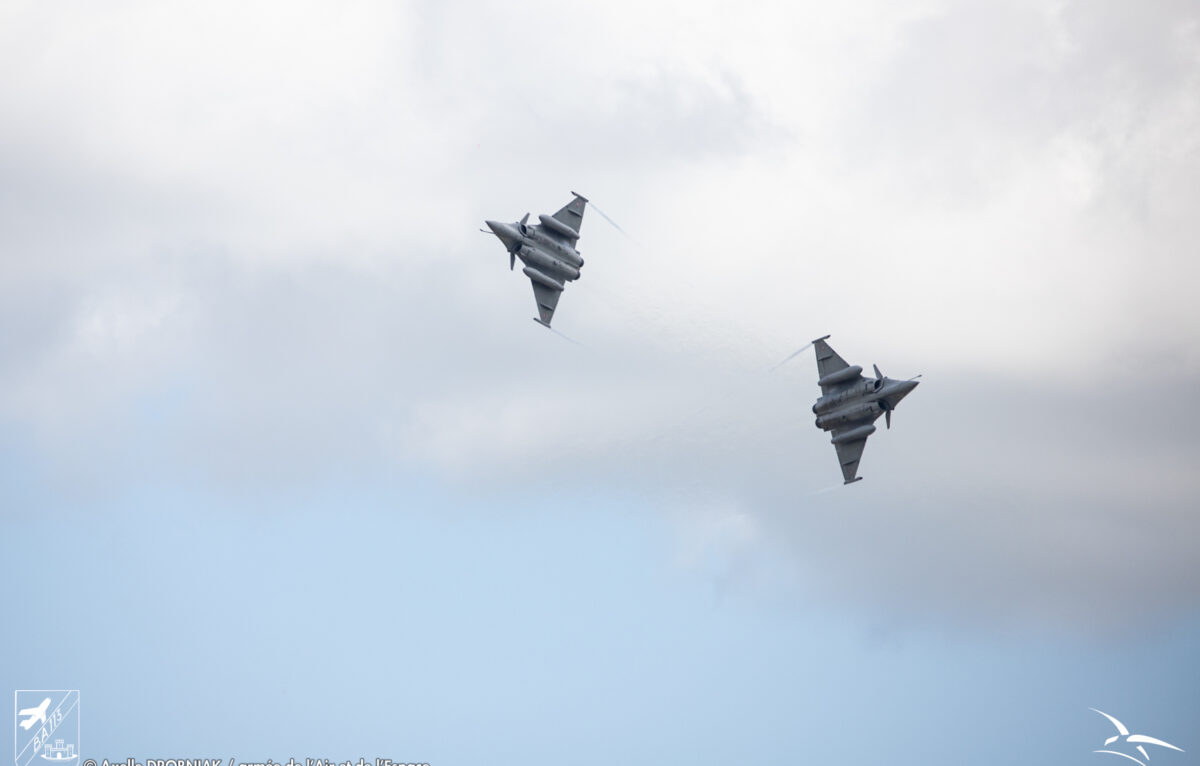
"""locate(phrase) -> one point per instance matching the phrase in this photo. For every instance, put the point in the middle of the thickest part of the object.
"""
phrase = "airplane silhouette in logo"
(36, 714)
(1134, 739)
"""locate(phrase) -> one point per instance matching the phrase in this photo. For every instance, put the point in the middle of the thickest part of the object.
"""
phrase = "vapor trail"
(790, 358)
(566, 338)
(825, 490)
(614, 223)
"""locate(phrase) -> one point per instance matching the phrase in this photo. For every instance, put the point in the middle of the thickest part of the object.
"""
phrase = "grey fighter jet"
(850, 404)
(548, 252)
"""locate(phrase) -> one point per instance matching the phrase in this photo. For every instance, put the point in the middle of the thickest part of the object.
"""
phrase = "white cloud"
(264, 216)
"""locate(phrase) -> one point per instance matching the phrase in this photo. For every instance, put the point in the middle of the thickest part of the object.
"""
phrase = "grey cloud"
(327, 309)
(549, 94)
(294, 373)
(975, 87)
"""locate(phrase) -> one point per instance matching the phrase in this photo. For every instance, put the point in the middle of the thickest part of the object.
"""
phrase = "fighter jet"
(548, 252)
(850, 404)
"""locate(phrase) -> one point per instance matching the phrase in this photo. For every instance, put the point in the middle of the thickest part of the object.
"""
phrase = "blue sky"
(286, 470)
(408, 623)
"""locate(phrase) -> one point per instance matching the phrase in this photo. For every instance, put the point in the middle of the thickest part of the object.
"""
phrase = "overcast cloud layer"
(240, 248)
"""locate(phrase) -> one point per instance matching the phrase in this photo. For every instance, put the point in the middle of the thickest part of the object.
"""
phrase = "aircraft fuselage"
(864, 401)
(537, 239)
(551, 262)
(539, 251)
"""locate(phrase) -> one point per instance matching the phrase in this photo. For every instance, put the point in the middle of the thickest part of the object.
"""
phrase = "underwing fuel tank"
(854, 434)
(555, 225)
(844, 374)
(850, 414)
(542, 279)
(833, 401)
(548, 263)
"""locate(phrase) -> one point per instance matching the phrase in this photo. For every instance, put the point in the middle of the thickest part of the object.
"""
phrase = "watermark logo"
(46, 727)
(1124, 738)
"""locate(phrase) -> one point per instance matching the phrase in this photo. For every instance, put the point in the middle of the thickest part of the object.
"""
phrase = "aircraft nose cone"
(506, 232)
(904, 388)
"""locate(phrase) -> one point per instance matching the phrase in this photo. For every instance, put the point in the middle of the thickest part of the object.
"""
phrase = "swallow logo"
(1138, 740)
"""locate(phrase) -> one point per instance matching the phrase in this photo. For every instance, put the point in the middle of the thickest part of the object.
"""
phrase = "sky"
(286, 470)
